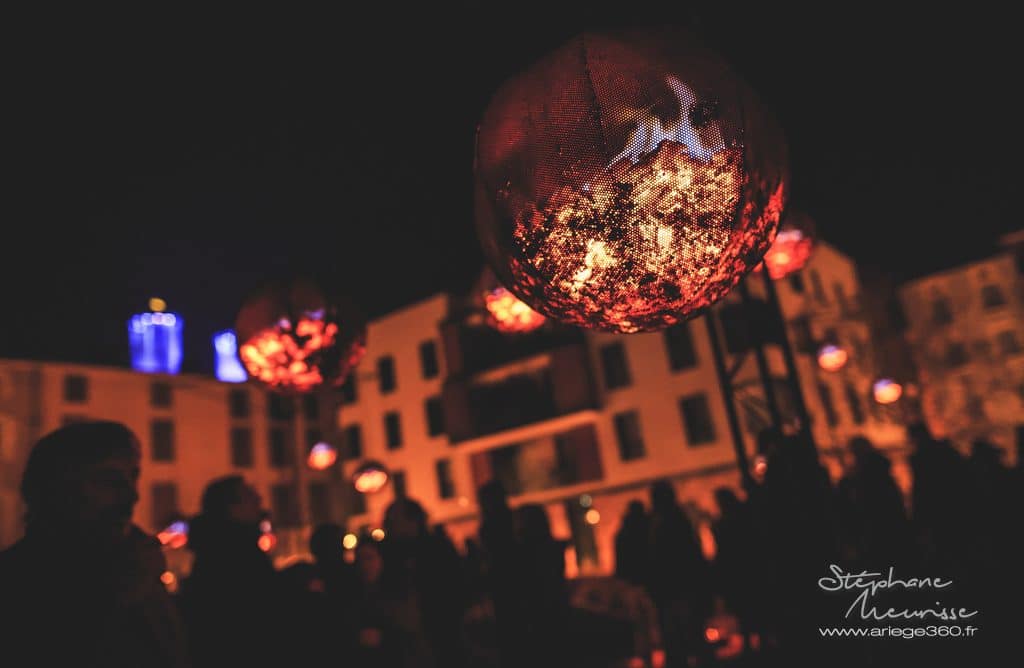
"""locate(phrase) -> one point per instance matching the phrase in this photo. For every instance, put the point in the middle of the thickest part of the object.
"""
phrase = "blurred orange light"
(267, 542)
(322, 456)
(592, 516)
(167, 578)
(832, 357)
(887, 391)
(788, 253)
(509, 314)
(712, 634)
(377, 534)
(370, 477)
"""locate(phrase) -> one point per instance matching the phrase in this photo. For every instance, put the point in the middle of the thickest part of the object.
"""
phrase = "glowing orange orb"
(322, 456)
(832, 358)
(510, 314)
(627, 181)
(887, 391)
(712, 634)
(370, 477)
(592, 516)
(788, 253)
(267, 542)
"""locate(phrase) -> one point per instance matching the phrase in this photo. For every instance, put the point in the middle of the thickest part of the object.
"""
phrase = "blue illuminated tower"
(227, 366)
(155, 339)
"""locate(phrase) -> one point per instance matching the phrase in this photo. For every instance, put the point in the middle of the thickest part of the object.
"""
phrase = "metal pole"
(725, 383)
(793, 377)
(762, 363)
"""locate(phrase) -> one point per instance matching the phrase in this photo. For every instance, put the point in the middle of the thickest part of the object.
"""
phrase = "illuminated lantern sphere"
(370, 477)
(295, 337)
(887, 391)
(508, 313)
(792, 246)
(322, 456)
(592, 516)
(627, 181)
(832, 357)
(175, 535)
(267, 540)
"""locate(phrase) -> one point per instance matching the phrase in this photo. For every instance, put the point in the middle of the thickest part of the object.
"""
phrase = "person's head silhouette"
(231, 499)
(82, 480)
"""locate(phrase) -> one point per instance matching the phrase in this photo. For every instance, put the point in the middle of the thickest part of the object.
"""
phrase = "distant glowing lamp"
(792, 247)
(370, 477)
(887, 391)
(712, 634)
(155, 340)
(627, 181)
(592, 517)
(175, 535)
(350, 541)
(267, 542)
(760, 467)
(322, 456)
(157, 305)
(227, 367)
(507, 313)
(295, 337)
(377, 534)
(832, 357)
(170, 581)
(586, 501)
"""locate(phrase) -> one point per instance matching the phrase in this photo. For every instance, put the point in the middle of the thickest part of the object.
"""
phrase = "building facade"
(192, 429)
(584, 422)
(966, 329)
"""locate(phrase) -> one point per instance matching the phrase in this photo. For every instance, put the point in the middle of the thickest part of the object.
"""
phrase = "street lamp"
(886, 391)
(832, 358)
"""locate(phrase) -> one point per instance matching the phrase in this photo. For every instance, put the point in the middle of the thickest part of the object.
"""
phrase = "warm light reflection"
(322, 456)
(267, 542)
(377, 534)
(509, 314)
(832, 357)
(788, 253)
(370, 477)
(175, 535)
(592, 516)
(760, 467)
(350, 541)
(712, 634)
(887, 391)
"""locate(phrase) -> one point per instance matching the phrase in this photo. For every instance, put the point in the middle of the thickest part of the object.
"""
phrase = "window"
(631, 440)
(1008, 343)
(956, 355)
(284, 505)
(398, 480)
(992, 296)
(165, 504)
(796, 282)
(76, 389)
(241, 447)
(445, 485)
(613, 361)
(238, 403)
(853, 400)
(681, 354)
(817, 287)
(393, 430)
(281, 454)
(280, 407)
(840, 293)
(352, 439)
(942, 314)
(697, 419)
(311, 407)
(160, 395)
(319, 503)
(428, 359)
(386, 374)
(161, 433)
(313, 436)
(435, 416)
(349, 395)
(825, 396)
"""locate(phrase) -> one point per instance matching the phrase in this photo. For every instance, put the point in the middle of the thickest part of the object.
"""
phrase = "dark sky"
(192, 156)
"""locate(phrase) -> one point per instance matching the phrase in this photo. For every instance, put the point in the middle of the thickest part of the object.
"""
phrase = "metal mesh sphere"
(294, 337)
(626, 182)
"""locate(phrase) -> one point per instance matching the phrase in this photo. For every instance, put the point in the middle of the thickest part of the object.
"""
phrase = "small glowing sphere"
(760, 467)
(377, 534)
(167, 578)
(267, 542)
(712, 634)
(832, 357)
(157, 305)
(887, 391)
(370, 477)
(585, 500)
(265, 526)
(592, 516)
(322, 456)
(350, 541)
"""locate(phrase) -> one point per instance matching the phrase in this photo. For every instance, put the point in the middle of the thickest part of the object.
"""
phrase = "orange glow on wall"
(294, 338)
(508, 313)
(322, 456)
(626, 182)
(832, 358)
(887, 391)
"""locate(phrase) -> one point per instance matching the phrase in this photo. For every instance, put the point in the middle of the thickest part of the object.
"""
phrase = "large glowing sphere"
(627, 181)
(295, 337)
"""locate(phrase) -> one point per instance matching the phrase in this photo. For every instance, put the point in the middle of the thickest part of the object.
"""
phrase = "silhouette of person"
(543, 593)
(500, 554)
(232, 598)
(632, 545)
(83, 586)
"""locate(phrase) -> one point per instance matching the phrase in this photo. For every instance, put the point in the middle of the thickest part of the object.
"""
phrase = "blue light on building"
(227, 366)
(155, 342)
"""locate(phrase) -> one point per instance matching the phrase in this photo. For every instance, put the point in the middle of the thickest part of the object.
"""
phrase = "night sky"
(192, 156)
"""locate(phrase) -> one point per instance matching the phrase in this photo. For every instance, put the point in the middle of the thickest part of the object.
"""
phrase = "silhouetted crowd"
(83, 587)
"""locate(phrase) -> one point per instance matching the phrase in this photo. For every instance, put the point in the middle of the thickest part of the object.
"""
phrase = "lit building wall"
(966, 330)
